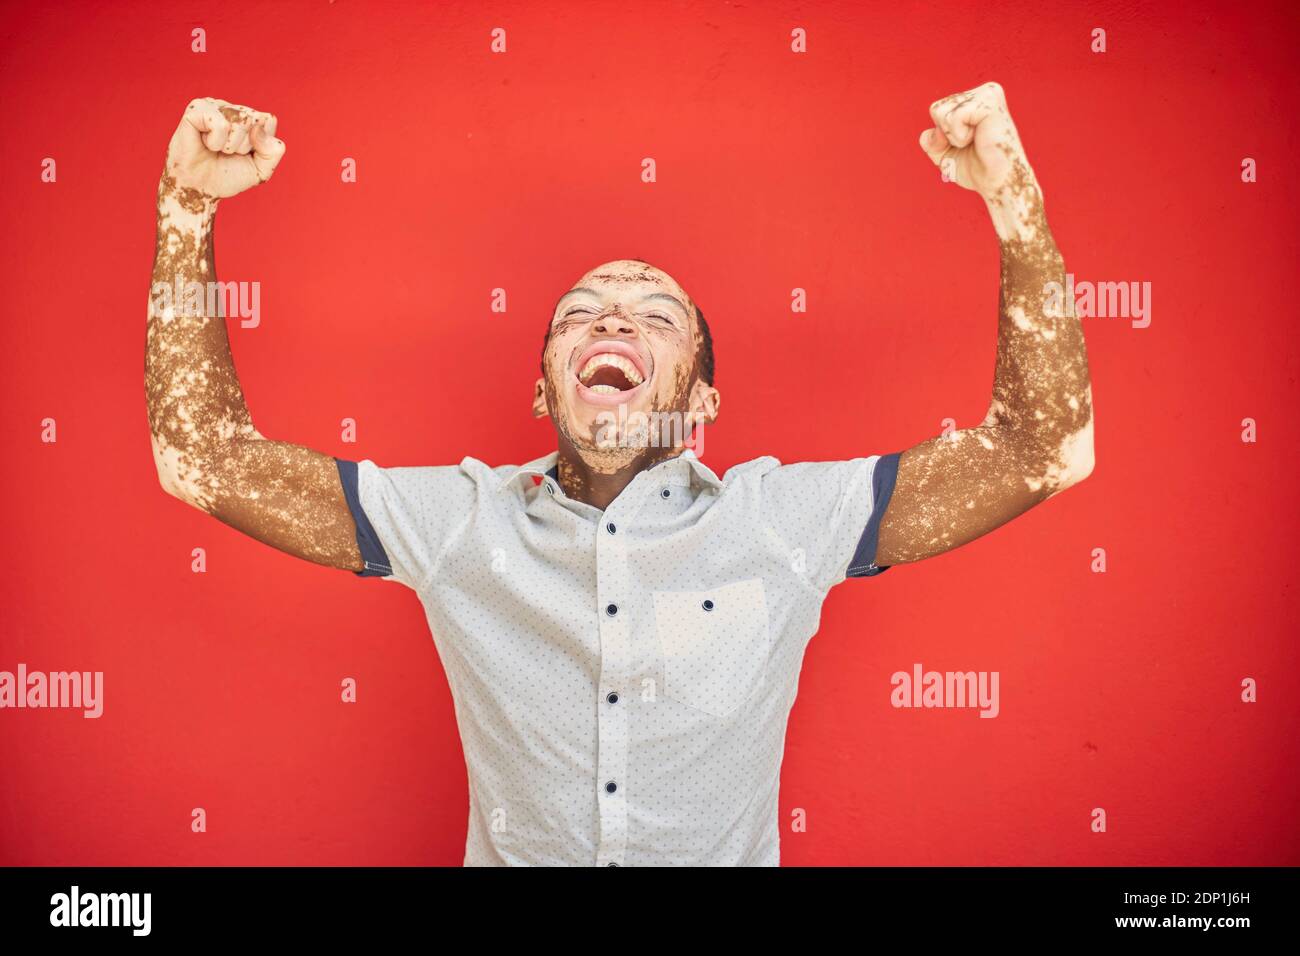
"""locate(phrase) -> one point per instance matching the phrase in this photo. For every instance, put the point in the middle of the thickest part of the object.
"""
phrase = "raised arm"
(1036, 440)
(207, 451)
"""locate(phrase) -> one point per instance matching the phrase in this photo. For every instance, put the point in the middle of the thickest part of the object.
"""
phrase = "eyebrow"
(653, 295)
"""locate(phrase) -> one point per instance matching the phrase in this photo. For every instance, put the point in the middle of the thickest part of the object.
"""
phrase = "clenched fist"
(975, 143)
(220, 149)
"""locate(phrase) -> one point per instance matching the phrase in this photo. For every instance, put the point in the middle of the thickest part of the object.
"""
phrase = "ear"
(704, 405)
(539, 400)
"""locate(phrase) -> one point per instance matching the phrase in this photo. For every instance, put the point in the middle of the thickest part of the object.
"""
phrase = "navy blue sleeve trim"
(372, 551)
(864, 564)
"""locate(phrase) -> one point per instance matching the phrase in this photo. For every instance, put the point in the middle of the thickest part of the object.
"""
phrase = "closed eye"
(570, 316)
(588, 309)
(667, 321)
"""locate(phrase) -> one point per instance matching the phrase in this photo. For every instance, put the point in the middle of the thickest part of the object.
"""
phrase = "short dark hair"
(704, 359)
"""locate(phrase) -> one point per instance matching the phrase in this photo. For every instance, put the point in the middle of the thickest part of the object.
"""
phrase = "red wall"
(1118, 690)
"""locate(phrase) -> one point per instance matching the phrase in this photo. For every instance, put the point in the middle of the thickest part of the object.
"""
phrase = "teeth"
(609, 358)
(604, 389)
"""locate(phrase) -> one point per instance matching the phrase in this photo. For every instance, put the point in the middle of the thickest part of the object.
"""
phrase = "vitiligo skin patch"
(1037, 438)
(632, 301)
(207, 450)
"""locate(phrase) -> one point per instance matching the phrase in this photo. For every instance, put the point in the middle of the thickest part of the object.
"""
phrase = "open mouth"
(610, 373)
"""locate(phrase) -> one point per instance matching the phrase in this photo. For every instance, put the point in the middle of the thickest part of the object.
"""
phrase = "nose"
(614, 322)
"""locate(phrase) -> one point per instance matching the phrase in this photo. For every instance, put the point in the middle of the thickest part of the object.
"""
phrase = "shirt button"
(611, 787)
(665, 493)
(707, 605)
(610, 527)
(611, 609)
(612, 698)
(611, 863)
(550, 488)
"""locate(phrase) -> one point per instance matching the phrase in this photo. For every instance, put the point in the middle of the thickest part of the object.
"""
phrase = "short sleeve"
(405, 516)
(828, 513)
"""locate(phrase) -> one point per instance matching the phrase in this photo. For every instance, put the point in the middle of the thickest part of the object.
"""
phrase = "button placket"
(614, 613)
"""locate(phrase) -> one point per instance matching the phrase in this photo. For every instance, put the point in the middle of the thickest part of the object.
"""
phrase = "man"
(622, 629)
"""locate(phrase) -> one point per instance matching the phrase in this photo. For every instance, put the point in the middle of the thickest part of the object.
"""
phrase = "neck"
(598, 477)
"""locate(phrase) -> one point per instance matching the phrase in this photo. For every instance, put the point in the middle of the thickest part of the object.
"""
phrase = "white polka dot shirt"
(622, 679)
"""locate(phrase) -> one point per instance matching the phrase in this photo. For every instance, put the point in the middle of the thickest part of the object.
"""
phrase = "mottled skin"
(206, 448)
(636, 303)
(1035, 441)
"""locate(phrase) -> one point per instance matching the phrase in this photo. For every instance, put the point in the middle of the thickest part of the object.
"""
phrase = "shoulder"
(771, 472)
(423, 484)
(750, 470)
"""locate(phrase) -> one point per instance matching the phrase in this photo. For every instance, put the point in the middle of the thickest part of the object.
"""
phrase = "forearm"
(1042, 399)
(196, 406)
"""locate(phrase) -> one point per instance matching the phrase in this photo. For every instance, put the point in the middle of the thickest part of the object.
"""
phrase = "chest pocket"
(714, 643)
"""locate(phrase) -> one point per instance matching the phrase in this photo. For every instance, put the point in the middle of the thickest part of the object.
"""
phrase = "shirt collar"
(541, 466)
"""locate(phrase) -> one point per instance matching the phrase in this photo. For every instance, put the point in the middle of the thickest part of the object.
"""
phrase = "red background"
(475, 171)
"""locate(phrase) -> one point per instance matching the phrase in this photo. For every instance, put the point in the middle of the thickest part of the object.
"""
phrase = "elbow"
(170, 482)
(1087, 456)
(174, 477)
(1069, 461)
(1087, 462)
(1078, 457)
(185, 489)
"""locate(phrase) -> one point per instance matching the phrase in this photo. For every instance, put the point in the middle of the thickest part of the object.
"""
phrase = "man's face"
(620, 364)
